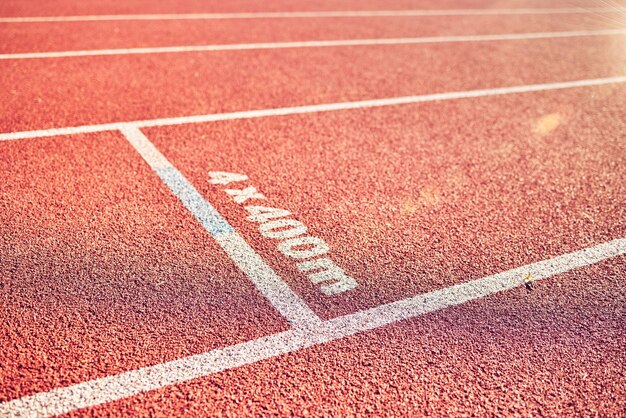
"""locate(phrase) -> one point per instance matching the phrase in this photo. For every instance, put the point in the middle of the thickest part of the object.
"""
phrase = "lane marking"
(317, 14)
(269, 284)
(312, 44)
(296, 110)
(294, 242)
(107, 389)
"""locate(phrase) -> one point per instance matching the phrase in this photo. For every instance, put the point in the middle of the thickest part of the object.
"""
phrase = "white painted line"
(312, 44)
(283, 111)
(315, 14)
(85, 129)
(107, 389)
(288, 303)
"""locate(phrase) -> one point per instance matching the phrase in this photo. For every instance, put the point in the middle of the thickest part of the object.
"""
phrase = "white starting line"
(315, 14)
(313, 44)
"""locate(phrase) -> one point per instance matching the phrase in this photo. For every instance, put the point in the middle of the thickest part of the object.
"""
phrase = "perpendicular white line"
(327, 107)
(269, 284)
(312, 14)
(312, 44)
(111, 388)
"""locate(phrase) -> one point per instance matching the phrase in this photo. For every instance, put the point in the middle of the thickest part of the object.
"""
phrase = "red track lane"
(104, 271)
(555, 351)
(66, 92)
(40, 37)
(71, 7)
(418, 197)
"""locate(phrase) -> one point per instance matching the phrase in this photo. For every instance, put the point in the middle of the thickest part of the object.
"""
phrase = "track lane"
(62, 36)
(419, 197)
(70, 92)
(69, 7)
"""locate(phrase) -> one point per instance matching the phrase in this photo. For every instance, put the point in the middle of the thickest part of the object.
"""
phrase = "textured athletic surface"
(106, 271)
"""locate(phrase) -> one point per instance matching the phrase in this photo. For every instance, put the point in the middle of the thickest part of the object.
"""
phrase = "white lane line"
(283, 111)
(312, 44)
(269, 284)
(110, 388)
(317, 14)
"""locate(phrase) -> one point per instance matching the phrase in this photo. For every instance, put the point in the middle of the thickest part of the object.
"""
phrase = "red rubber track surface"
(557, 351)
(65, 36)
(104, 271)
(418, 197)
(69, 7)
(87, 90)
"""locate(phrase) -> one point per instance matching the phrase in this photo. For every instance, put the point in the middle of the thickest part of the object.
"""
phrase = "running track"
(313, 208)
